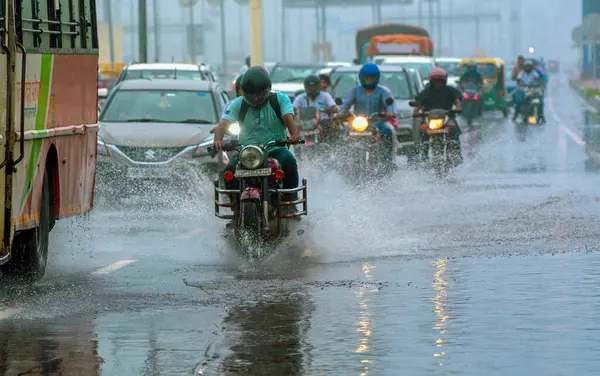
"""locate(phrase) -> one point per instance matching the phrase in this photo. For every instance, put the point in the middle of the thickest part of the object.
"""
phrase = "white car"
(452, 66)
(424, 64)
(168, 71)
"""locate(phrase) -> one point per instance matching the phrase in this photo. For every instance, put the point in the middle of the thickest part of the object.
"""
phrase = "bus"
(48, 124)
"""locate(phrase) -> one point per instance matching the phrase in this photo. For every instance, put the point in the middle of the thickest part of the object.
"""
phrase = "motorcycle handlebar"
(234, 145)
(425, 113)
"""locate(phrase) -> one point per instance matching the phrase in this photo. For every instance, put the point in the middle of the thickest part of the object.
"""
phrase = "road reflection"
(365, 320)
(66, 347)
(440, 302)
(268, 336)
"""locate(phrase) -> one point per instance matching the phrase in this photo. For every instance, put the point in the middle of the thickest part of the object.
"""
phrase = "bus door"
(12, 92)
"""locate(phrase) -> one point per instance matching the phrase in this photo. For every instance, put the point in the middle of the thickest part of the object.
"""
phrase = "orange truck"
(392, 39)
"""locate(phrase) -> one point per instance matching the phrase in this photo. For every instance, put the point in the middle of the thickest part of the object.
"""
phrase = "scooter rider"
(369, 97)
(263, 117)
(527, 77)
(438, 95)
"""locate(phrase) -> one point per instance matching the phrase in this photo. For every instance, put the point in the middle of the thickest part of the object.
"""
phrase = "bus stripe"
(40, 123)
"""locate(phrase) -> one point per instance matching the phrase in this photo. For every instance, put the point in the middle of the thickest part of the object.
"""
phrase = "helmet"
(312, 86)
(528, 65)
(238, 85)
(439, 74)
(369, 70)
(256, 85)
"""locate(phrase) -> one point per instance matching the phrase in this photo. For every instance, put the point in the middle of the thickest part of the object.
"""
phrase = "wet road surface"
(492, 271)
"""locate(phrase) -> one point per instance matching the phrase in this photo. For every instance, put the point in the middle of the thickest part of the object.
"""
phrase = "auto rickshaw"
(495, 96)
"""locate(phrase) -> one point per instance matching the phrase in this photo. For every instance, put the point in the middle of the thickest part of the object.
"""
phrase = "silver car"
(157, 129)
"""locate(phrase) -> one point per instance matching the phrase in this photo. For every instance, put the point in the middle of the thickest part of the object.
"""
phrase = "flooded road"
(492, 271)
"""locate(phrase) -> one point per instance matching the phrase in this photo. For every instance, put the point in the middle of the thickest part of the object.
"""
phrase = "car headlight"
(234, 129)
(251, 157)
(360, 123)
(436, 123)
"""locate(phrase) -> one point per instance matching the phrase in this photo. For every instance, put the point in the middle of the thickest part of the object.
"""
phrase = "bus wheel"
(30, 247)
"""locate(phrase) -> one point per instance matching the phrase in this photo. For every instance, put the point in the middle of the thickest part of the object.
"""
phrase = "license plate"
(249, 173)
(308, 133)
(148, 173)
(361, 133)
(436, 131)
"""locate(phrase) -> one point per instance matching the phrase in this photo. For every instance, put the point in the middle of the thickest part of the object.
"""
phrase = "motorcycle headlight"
(251, 157)
(360, 123)
(436, 123)
(234, 129)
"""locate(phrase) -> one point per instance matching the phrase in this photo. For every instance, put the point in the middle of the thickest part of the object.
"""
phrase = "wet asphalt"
(492, 270)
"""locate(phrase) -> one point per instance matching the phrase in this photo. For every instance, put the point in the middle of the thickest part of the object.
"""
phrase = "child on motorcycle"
(261, 123)
(369, 97)
(438, 95)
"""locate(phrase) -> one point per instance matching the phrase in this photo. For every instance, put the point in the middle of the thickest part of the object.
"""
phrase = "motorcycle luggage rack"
(281, 192)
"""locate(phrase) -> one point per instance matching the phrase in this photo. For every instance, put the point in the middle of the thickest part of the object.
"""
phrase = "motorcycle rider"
(313, 96)
(527, 77)
(369, 97)
(438, 95)
(262, 123)
(517, 68)
(471, 75)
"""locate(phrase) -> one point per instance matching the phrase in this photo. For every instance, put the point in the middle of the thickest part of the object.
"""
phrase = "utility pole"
(111, 40)
(256, 35)
(192, 35)
(451, 31)
(420, 4)
(439, 26)
(143, 31)
(431, 17)
(156, 31)
(223, 36)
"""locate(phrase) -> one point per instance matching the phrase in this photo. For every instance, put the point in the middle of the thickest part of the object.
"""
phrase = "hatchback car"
(399, 81)
(158, 129)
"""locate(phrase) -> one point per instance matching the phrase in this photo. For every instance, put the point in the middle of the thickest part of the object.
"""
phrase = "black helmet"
(238, 85)
(256, 85)
(312, 86)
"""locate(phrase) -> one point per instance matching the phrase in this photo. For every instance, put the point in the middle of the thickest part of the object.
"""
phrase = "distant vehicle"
(155, 129)
(170, 71)
(288, 78)
(452, 66)
(424, 64)
(395, 39)
(400, 82)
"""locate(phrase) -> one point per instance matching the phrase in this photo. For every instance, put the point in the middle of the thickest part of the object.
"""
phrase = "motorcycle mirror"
(389, 101)
(212, 131)
(412, 104)
(339, 101)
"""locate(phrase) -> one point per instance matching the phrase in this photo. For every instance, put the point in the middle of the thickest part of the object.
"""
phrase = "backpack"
(273, 101)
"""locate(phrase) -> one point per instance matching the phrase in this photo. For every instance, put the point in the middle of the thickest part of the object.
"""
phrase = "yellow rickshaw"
(494, 76)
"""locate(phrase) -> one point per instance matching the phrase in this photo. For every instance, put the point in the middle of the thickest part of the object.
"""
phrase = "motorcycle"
(366, 154)
(530, 110)
(257, 203)
(471, 104)
(437, 124)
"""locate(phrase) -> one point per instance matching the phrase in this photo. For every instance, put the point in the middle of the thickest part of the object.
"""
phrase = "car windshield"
(163, 74)
(397, 82)
(423, 67)
(281, 74)
(161, 106)
(451, 67)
